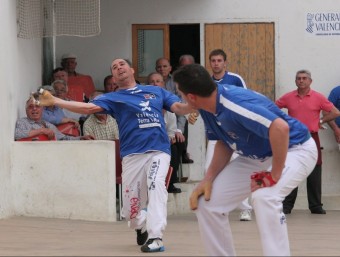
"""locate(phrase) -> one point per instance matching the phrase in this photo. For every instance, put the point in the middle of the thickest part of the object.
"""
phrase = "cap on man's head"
(69, 56)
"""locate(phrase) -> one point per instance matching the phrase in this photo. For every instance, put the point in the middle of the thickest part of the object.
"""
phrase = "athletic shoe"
(153, 245)
(245, 215)
(142, 236)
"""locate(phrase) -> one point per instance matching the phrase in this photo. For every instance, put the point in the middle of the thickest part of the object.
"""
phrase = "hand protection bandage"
(259, 177)
(43, 98)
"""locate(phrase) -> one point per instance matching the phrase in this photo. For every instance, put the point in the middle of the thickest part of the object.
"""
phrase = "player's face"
(156, 80)
(121, 70)
(190, 99)
(217, 63)
(163, 67)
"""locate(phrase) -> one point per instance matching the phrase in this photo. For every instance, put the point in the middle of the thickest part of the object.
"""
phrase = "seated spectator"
(101, 126)
(175, 135)
(33, 125)
(61, 89)
(109, 84)
(76, 80)
(59, 74)
(55, 114)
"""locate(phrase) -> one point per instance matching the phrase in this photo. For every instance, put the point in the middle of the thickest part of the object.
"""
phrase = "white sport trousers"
(232, 185)
(144, 193)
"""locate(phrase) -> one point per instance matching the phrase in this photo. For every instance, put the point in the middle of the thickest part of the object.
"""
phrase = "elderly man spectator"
(33, 125)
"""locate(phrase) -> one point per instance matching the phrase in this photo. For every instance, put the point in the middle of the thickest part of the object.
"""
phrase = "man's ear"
(191, 97)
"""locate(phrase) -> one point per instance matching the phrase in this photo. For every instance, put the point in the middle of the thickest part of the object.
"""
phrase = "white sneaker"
(245, 215)
(153, 245)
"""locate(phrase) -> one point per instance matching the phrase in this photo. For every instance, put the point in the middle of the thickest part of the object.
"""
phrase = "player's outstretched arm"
(46, 99)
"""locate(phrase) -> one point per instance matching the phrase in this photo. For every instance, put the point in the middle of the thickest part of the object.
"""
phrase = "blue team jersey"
(334, 97)
(230, 78)
(138, 112)
(242, 121)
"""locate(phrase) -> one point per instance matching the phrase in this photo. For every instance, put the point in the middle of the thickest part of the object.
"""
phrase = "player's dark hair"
(194, 79)
(218, 52)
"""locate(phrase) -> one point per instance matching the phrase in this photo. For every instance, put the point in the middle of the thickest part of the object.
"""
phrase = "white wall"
(294, 47)
(20, 73)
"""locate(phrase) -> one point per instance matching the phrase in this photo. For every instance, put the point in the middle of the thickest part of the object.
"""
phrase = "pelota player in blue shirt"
(276, 153)
(145, 148)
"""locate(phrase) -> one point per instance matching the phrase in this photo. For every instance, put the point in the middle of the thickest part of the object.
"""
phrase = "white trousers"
(232, 185)
(244, 205)
(144, 193)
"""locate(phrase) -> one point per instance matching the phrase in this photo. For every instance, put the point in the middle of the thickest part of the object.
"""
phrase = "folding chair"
(69, 129)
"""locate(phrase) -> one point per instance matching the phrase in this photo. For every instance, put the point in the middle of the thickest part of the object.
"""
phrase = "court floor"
(310, 235)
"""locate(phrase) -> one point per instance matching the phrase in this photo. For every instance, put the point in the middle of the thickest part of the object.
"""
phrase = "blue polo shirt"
(242, 121)
(138, 112)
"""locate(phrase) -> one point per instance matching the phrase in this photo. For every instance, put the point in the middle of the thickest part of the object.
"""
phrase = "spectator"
(55, 114)
(80, 86)
(164, 68)
(186, 59)
(174, 134)
(145, 148)
(59, 74)
(109, 84)
(33, 125)
(305, 105)
(101, 126)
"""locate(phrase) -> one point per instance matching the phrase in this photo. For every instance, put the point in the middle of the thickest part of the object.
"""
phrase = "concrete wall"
(20, 73)
(74, 180)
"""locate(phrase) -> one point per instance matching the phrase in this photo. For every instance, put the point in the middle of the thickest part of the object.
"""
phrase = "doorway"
(150, 42)
(184, 39)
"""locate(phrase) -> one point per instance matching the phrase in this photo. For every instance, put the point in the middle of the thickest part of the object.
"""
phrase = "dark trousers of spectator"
(182, 147)
(174, 163)
(313, 184)
(313, 192)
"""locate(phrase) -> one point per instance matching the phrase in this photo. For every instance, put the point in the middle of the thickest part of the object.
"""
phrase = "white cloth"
(170, 123)
(232, 185)
(144, 193)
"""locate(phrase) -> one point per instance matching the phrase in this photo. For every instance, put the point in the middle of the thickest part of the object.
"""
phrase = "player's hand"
(43, 98)
(261, 179)
(203, 188)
